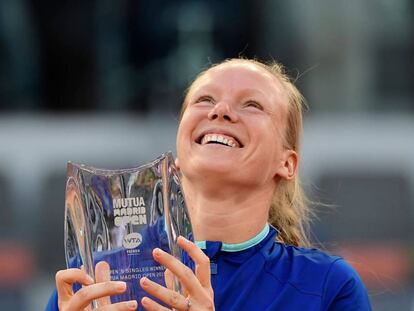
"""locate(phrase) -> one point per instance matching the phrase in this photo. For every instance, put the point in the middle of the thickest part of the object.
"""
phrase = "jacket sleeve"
(344, 290)
(52, 305)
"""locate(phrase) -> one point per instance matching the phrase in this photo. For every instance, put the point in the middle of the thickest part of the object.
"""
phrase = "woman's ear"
(177, 164)
(289, 165)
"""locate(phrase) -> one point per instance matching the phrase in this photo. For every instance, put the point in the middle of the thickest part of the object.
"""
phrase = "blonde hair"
(290, 210)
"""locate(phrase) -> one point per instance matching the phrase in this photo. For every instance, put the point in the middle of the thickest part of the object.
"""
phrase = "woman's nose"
(223, 111)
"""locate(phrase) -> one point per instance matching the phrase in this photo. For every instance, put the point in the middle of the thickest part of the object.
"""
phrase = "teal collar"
(239, 246)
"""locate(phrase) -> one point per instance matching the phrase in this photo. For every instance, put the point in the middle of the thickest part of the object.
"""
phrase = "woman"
(238, 153)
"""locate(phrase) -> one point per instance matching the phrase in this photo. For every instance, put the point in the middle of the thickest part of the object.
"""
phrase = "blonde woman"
(238, 153)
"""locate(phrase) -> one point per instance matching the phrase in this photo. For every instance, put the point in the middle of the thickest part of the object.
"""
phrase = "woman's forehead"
(238, 70)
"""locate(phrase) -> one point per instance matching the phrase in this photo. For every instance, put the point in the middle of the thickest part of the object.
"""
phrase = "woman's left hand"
(197, 291)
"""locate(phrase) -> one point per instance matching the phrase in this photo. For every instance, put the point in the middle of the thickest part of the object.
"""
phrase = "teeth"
(218, 138)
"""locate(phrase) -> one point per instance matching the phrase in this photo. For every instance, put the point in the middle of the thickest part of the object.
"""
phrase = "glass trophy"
(120, 216)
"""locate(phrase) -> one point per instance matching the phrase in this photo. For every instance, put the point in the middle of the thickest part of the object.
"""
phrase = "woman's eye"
(205, 99)
(253, 104)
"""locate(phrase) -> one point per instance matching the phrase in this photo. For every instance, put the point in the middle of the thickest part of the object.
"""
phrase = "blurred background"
(101, 83)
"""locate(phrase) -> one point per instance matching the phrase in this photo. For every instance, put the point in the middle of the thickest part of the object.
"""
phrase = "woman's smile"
(219, 136)
(219, 139)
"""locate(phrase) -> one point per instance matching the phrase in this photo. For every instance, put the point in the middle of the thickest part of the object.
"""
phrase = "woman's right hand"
(101, 290)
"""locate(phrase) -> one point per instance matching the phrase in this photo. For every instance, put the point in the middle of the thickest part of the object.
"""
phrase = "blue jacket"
(273, 276)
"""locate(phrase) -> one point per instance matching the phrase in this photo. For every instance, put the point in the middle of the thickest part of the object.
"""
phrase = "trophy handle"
(156, 203)
(96, 218)
(77, 239)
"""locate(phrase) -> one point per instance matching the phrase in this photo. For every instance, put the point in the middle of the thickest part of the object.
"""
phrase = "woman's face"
(233, 126)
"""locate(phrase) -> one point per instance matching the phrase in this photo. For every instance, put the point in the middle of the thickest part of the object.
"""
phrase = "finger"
(166, 295)
(201, 261)
(121, 306)
(83, 297)
(151, 305)
(184, 274)
(65, 280)
(103, 274)
(169, 279)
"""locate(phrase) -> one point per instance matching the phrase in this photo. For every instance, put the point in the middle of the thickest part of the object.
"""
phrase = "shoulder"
(316, 272)
(308, 269)
(291, 262)
(344, 289)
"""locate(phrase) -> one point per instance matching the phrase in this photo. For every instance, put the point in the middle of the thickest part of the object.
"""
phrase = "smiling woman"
(264, 110)
(238, 154)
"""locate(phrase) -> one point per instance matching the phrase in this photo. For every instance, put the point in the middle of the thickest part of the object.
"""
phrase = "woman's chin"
(216, 164)
(201, 169)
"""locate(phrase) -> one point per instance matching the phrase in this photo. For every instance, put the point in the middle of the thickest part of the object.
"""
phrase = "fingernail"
(120, 285)
(144, 300)
(157, 252)
(144, 280)
(133, 304)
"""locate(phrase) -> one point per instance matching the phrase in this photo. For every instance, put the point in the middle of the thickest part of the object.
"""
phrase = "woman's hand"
(101, 290)
(197, 291)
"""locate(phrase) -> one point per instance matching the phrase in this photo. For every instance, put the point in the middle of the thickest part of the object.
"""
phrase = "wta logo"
(132, 240)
